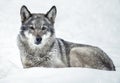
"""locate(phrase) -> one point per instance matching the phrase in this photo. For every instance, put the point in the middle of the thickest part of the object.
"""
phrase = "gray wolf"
(40, 48)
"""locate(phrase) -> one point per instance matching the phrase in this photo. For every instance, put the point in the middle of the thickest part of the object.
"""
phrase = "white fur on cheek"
(45, 38)
(30, 37)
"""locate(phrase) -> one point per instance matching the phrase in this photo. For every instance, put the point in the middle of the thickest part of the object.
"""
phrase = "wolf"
(39, 46)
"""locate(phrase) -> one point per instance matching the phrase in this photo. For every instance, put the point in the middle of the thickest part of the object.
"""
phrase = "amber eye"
(44, 28)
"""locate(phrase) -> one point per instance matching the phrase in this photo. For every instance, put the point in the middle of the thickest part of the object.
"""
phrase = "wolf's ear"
(25, 13)
(51, 14)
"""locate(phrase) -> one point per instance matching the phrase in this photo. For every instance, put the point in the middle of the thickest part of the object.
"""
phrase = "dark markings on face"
(38, 25)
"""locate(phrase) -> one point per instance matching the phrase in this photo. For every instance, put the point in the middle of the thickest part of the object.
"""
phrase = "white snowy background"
(94, 22)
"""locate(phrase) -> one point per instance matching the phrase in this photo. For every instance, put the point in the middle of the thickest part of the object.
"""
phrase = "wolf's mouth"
(38, 40)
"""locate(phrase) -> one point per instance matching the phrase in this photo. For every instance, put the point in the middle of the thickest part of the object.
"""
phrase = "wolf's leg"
(90, 57)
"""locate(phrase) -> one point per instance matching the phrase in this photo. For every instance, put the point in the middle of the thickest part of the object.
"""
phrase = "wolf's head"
(37, 28)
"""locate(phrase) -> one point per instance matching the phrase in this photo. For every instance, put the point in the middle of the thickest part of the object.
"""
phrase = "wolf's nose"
(38, 40)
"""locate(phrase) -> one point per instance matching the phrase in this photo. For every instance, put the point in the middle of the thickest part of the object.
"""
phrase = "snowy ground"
(95, 22)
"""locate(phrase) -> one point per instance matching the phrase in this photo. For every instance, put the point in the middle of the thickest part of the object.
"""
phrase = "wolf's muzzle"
(38, 40)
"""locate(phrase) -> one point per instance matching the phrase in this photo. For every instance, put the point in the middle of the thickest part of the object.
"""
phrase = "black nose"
(38, 40)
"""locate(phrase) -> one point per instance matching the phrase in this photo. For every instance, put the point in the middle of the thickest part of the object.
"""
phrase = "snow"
(74, 75)
(94, 22)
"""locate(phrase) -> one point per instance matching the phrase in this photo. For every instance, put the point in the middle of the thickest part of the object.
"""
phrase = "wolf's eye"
(44, 28)
(31, 27)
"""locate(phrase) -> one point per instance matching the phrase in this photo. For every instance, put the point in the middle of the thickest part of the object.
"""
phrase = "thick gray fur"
(51, 51)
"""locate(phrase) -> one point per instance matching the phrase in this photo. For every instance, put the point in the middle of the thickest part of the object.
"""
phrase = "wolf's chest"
(51, 59)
